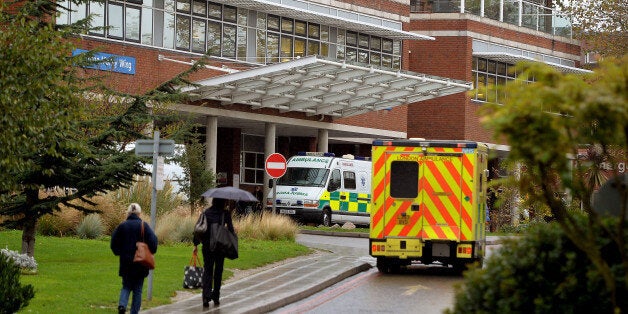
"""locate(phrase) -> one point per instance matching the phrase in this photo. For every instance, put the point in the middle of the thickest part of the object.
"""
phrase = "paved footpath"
(279, 285)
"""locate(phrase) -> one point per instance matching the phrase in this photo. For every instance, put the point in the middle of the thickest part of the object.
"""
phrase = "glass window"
(334, 180)
(243, 17)
(114, 20)
(199, 8)
(214, 33)
(376, 58)
(80, 12)
(272, 48)
(300, 28)
(387, 45)
(352, 54)
(403, 179)
(286, 52)
(169, 5)
(64, 16)
(261, 20)
(396, 63)
(363, 41)
(492, 67)
(324, 49)
(501, 69)
(482, 65)
(132, 30)
(376, 43)
(229, 41)
(183, 6)
(214, 10)
(340, 53)
(324, 33)
(229, 14)
(183, 32)
(363, 56)
(98, 17)
(147, 26)
(253, 167)
(349, 180)
(299, 47)
(313, 48)
(387, 61)
(168, 30)
(198, 35)
(273, 23)
(352, 39)
(396, 47)
(314, 31)
(260, 46)
(241, 43)
(287, 25)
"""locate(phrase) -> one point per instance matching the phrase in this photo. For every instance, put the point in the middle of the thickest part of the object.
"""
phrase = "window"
(183, 32)
(198, 35)
(287, 26)
(252, 170)
(114, 21)
(98, 17)
(132, 19)
(241, 43)
(272, 52)
(300, 28)
(352, 39)
(349, 180)
(229, 14)
(214, 10)
(213, 38)
(286, 48)
(168, 30)
(299, 47)
(403, 179)
(199, 8)
(363, 41)
(334, 181)
(147, 26)
(229, 41)
(183, 6)
(314, 31)
(273, 23)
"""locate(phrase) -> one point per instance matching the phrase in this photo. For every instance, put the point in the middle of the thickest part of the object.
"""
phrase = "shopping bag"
(193, 273)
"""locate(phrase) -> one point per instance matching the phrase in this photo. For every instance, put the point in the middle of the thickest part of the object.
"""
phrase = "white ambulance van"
(323, 189)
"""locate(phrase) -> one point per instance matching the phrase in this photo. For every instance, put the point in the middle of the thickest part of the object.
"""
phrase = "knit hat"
(134, 208)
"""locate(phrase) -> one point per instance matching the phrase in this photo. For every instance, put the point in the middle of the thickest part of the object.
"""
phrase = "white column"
(269, 148)
(211, 143)
(323, 140)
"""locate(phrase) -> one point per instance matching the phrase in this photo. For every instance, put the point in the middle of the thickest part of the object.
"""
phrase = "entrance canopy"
(317, 86)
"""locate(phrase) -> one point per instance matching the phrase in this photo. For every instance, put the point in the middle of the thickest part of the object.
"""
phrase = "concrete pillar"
(269, 148)
(323, 140)
(211, 143)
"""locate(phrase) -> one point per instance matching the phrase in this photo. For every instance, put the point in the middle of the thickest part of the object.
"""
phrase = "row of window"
(230, 32)
(486, 75)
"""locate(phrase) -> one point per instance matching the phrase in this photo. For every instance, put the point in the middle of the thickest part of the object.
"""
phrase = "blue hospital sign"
(115, 63)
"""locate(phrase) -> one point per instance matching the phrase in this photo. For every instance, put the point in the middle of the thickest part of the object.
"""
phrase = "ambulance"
(428, 203)
(323, 189)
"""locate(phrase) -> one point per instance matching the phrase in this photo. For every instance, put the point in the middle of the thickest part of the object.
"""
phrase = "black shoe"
(121, 309)
(205, 304)
(216, 297)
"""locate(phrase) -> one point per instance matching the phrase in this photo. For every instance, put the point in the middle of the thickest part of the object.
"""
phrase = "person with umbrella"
(213, 262)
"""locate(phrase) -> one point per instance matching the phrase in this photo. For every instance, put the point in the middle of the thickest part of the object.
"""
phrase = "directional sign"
(145, 147)
(275, 165)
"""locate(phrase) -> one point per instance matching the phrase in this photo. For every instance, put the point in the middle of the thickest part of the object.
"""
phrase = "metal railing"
(516, 12)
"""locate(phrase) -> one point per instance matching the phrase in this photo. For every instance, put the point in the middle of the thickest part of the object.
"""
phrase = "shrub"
(541, 272)
(175, 227)
(61, 223)
(266, 226)
(141, 192)
(91, 227)
(14, 296)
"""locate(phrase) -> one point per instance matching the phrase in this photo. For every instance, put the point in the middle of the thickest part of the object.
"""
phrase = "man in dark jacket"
(214, 262)
(123, 244)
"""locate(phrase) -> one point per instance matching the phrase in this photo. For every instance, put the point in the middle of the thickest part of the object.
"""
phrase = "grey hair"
(134, 208)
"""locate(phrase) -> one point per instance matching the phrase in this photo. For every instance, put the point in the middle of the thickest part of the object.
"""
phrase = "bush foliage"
(14, 296)
(91, 227)
(541, 272)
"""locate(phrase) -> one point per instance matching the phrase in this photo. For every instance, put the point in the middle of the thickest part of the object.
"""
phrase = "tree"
(196, 178)
(600, 24)
(547, 123)
(86, 151)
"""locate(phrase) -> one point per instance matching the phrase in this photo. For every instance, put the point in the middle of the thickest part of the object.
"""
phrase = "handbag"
(222, 240)
(143, 255)
(192, 274)
(201, 227)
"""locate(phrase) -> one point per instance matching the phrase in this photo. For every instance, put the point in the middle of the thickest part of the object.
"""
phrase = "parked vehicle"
(324, 189)
(428, 203)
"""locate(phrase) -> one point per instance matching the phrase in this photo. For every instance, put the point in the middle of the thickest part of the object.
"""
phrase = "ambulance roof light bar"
(316, 154)
(426, 143)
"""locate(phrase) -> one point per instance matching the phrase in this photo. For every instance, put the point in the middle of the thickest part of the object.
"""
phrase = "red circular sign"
(275, 165)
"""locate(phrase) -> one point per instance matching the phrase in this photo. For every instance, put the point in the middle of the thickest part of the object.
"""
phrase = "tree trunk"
(30, 223)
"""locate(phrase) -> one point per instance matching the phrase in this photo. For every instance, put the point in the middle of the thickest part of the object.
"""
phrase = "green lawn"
(81, 276)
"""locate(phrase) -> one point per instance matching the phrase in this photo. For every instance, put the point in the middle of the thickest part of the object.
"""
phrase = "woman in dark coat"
(213, 261)
(123, 242)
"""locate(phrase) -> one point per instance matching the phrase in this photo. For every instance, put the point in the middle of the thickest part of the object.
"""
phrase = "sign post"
(275, 168)
(153, 148)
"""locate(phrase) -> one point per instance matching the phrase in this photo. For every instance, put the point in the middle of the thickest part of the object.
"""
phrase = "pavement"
(268, 288)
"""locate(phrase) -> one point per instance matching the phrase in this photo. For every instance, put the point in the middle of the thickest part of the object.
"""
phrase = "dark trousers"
(213, 264)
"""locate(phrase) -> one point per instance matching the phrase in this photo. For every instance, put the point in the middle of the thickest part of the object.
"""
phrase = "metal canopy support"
(313, 85)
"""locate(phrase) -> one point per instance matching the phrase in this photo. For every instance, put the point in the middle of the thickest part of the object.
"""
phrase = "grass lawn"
(81, 276)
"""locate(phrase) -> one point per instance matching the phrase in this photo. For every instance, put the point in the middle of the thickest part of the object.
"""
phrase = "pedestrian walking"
(214, 262)
(123, 244)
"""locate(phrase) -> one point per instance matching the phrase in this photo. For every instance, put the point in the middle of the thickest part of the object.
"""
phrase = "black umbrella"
(230, 193)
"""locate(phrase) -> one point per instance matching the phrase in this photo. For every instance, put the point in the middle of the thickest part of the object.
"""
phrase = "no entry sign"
(275, 165)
